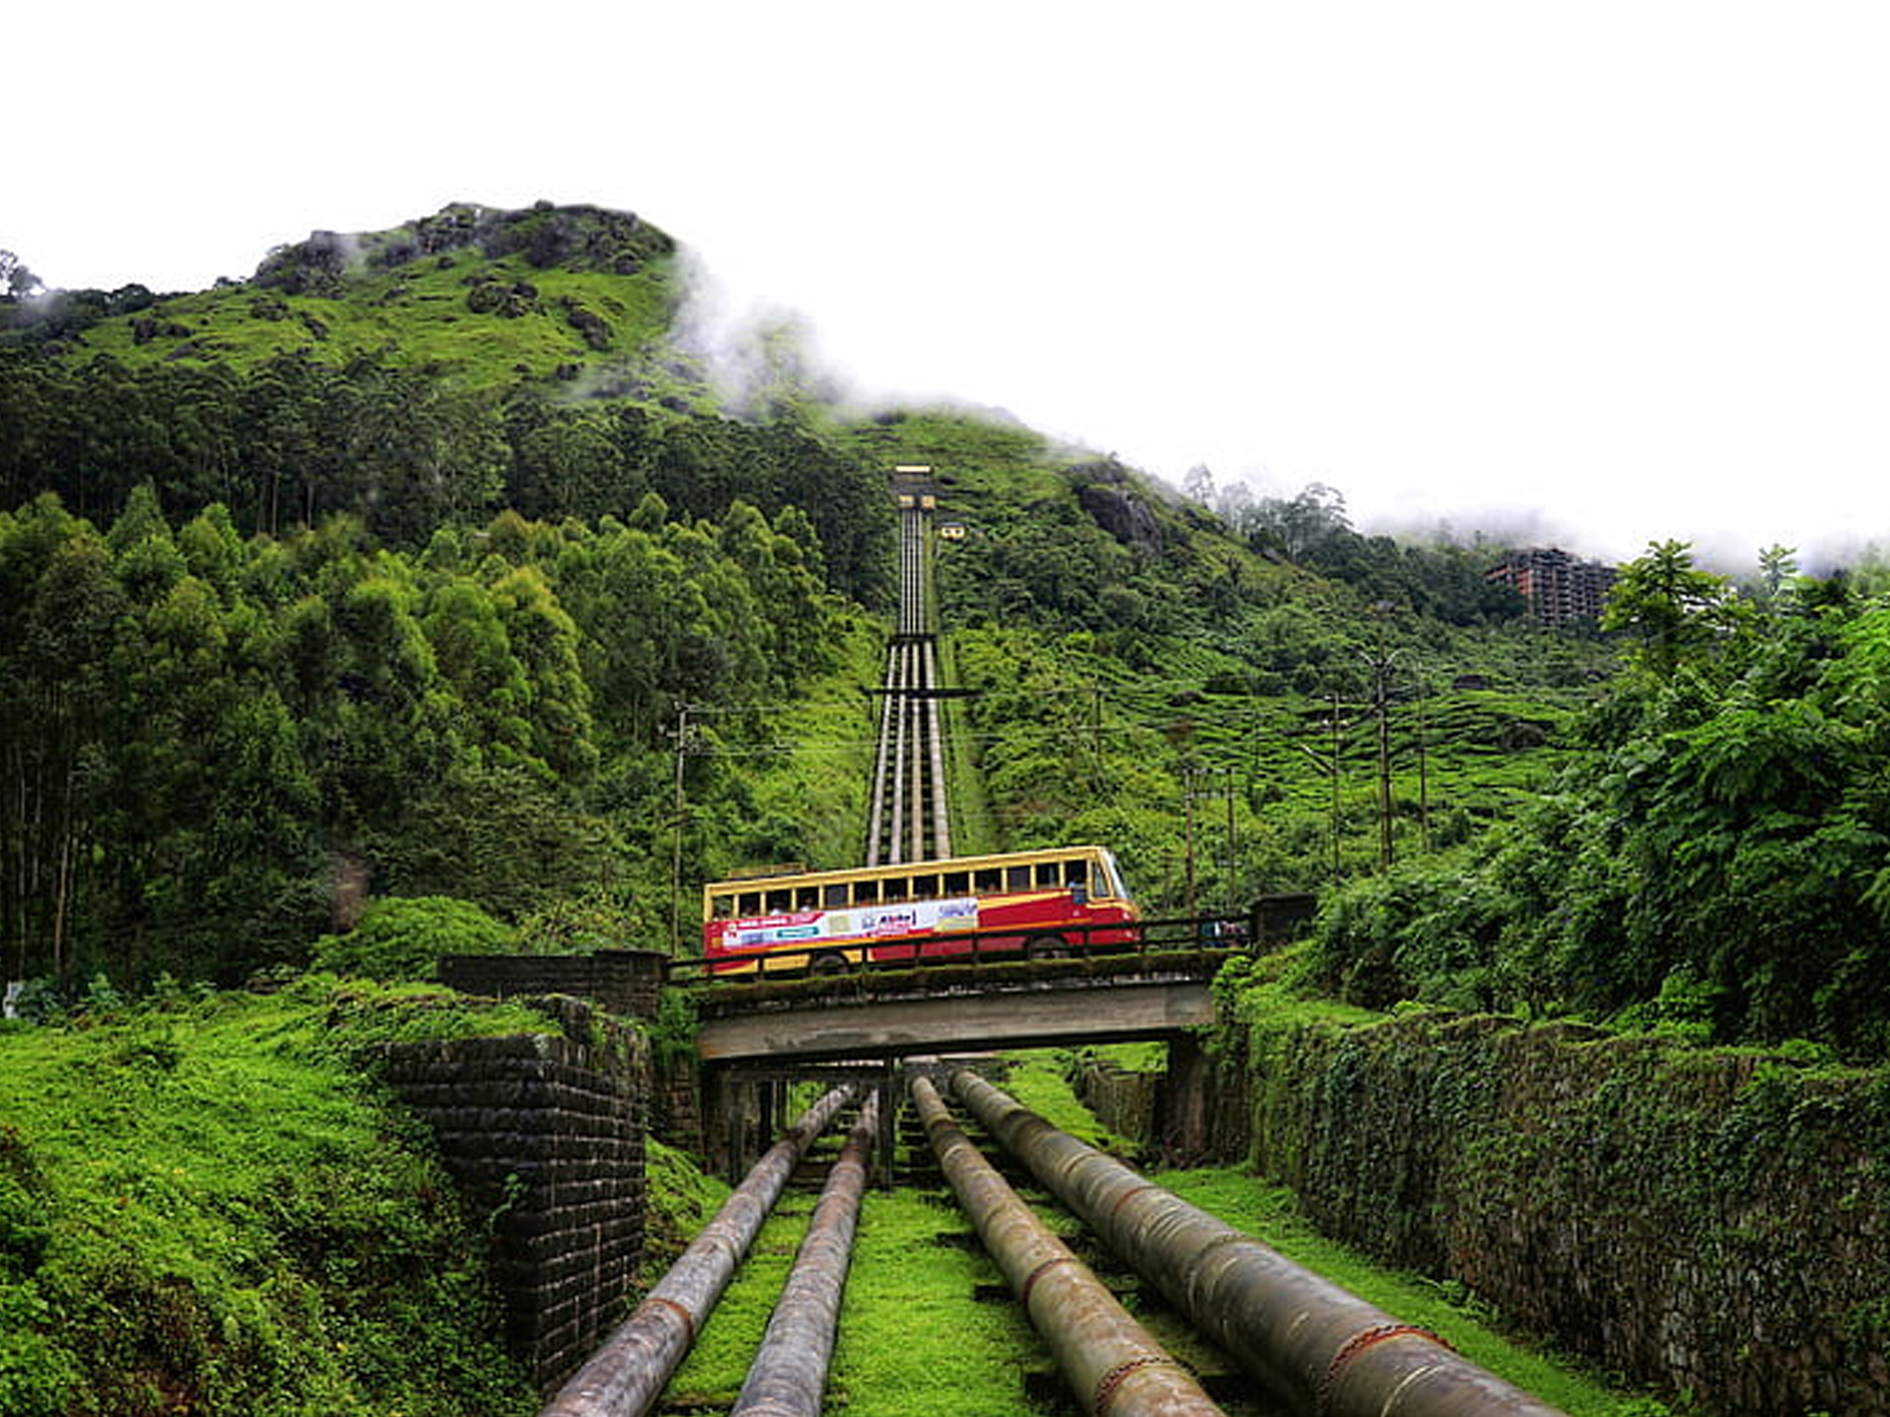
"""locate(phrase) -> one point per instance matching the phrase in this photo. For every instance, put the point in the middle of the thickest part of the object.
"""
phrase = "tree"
(1677, 610)
(1778, 567)
(19, 281)
(59, 609)
(1302, 525)
(557, 707)
(568, 462)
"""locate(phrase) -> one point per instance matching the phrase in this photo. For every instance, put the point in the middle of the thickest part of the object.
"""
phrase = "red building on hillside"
(1560, 588)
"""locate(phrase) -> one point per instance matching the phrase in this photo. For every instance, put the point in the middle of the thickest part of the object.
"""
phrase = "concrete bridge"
(754, 1041)
(958, 1010)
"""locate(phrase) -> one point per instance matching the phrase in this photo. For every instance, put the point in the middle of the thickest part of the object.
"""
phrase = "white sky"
(1620, 269)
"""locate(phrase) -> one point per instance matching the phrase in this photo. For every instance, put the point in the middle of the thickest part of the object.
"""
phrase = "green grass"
(418, 315)
(1270, 1214)
(913, 1336)
(208, 1207)
(928, 1324)
(711, 1375)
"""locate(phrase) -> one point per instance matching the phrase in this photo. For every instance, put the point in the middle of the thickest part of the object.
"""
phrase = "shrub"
(403, 938)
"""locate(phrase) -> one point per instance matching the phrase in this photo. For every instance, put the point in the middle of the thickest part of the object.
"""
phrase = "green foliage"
(216, 735)
(404, 938)
(673, 1030)
(1516, 1158)
(580, 923)
(207, 1204)
(1676, 610)
(1072, 744)
(363, 577)
(1713, 868)
(682, 1198)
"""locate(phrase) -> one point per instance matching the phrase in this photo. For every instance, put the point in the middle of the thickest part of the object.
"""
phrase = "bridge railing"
(1144, 940)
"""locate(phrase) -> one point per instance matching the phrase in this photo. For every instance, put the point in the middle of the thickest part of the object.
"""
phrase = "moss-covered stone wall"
(1714, 1223)
(545, 1133)
(626, 982)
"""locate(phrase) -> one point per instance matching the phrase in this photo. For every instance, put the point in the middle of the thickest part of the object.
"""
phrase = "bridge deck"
(958, 1009)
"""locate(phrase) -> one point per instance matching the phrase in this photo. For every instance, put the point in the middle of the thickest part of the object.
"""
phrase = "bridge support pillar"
(1180, 1121)
(738, 1117)
(891, 1094)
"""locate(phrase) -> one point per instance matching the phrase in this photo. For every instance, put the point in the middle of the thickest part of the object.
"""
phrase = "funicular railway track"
(908, 820)
(1300, 1345)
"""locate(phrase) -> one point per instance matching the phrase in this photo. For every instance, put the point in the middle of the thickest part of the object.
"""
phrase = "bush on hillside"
(404, 938)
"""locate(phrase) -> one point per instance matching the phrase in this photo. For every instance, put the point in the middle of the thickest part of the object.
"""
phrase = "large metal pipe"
(876, 816)
(1306, 1340)
(789, 1374)
(627, 1374)
(1109, 1361)
(935, 733)
(898, 756)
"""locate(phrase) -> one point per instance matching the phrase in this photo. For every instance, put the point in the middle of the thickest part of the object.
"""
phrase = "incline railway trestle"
(909, 820)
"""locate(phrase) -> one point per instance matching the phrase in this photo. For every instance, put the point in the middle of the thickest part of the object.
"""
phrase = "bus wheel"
(1047, 947)
(828, 964)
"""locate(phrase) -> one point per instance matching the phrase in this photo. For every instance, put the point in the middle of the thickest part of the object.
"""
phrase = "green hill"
(493, 300)
(422, 544)
(428, 562)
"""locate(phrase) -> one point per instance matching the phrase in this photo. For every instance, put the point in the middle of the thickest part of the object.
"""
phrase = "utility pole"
(1187, 807)
(1423, 783)
(1338, 809)
(1382, 660)
(1233, 847)
(1386, 844)
(675, 866)
(1330, 765)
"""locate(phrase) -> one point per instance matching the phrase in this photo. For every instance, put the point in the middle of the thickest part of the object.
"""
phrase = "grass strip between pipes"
(789, 1374)
(626, 1376)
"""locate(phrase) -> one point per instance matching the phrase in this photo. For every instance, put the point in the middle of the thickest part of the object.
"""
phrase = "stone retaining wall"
(1122, 1100)
(1714, 1223)
(545, 1133)
(626, 982)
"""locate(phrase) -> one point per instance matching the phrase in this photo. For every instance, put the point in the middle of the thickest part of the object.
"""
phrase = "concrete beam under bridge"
(1046, 1013)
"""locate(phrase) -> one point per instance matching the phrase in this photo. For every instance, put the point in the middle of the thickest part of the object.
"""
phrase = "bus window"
(958, 883)
(866, 892)
(833, 895)
(780, 901)
(896, 888)
(807, 898)
(1048, 874)
(1076, 873)
(1017, 877)
(749, 903)
(988, 881)
(925, 887)
(722, 906)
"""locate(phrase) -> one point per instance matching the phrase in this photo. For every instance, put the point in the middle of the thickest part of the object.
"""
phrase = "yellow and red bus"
(1055, 901)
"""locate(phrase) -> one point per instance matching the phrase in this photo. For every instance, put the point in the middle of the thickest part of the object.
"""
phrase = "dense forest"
(434, 564)
(1714, 861)
(207, 736)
